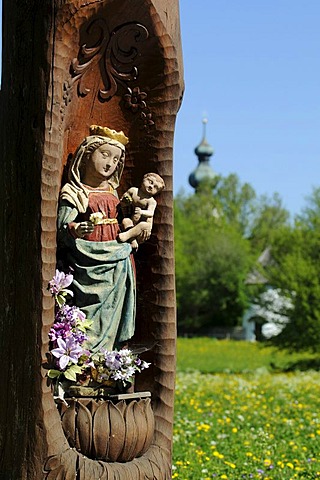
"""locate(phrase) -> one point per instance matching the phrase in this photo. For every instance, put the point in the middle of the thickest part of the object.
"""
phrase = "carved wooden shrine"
(68, 64)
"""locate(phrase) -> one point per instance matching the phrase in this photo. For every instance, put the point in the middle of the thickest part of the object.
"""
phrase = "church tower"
(203, 172)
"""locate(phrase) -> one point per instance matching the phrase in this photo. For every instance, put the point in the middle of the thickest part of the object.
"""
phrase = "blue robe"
(104, 283)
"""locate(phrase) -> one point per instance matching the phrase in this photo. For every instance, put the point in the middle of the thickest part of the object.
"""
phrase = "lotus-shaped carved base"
(103, 430)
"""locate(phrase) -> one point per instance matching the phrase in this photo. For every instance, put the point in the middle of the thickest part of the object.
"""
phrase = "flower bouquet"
(73, 365)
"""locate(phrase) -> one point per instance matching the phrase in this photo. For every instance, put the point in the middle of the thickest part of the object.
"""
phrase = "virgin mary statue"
(103, 270)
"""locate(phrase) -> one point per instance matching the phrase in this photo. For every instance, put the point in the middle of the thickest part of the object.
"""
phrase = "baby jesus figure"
(137, 228)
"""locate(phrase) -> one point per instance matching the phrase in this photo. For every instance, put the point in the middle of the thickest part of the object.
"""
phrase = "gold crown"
(108, 132)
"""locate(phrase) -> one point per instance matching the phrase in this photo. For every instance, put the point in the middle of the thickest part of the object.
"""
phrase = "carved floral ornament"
(135, 101)
(114, 53)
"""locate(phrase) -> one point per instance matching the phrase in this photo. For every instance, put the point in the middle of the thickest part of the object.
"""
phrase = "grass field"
(245, 416)
(209, 355)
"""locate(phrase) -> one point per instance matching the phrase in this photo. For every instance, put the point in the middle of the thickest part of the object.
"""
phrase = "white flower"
(96, 218)
(144, 365)
(273, 307)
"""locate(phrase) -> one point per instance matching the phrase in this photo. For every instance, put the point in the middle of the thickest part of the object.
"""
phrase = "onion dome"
(203, 172)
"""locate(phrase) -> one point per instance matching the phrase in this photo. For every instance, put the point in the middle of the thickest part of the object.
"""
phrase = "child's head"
(152, 183)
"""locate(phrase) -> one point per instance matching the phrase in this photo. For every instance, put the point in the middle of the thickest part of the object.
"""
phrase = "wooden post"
(67, 65)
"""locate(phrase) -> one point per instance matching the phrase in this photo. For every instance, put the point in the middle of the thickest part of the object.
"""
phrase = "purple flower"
(123, 364)
(68, 351)
(79, 337)
(80, 315)
(70, 315)
(59, 330)
(59, 282)
(112, 360)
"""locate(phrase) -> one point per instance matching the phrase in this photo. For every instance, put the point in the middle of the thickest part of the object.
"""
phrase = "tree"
(236, 202)
(212, 263)
(310, 216)
(296, 252)
(216, 246)
(270, 216)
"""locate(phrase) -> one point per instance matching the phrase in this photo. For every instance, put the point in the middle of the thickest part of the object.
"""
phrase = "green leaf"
(84, 326)
(70, 375)
(60, 299)
(71, 372)
(53, 373)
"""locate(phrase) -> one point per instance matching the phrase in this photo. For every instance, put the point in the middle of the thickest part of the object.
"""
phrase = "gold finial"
(108, 132)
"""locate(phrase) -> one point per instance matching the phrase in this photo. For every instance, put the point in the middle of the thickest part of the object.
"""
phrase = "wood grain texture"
(52, 119)
(111, 432)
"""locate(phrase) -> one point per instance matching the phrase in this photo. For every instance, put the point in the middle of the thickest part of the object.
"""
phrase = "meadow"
(245, 411)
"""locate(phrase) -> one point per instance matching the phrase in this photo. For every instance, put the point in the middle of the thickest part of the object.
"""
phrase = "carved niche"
(110, 70)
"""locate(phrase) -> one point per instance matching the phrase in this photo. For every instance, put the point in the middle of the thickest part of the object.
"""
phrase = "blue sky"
(253, 68)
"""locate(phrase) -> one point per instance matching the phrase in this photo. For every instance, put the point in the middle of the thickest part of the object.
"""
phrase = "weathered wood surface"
(106, 431)
(43, 118)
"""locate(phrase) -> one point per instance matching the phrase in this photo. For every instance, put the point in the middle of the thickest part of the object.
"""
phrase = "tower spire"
(203, 172)
(204, 123)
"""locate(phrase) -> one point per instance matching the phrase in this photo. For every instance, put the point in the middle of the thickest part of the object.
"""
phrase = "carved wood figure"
(140, 203)
(67, 65)
(103, 276)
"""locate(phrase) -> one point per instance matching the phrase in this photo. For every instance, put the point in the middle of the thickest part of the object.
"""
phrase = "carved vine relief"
(114, 53)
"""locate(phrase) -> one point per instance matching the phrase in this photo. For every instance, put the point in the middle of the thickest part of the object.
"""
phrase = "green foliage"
(296, 271)
(270, 217)
(236, 203)
(310, 216)
(71, 372)
(209, 355)
(296, 253)
(296, 268)
(53, 373)
(212, 262)
(218, 237)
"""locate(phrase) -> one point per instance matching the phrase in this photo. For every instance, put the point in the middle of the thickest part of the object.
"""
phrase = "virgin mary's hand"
(83, 228)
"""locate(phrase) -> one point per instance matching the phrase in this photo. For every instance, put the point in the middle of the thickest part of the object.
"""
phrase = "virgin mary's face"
(102, 163)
